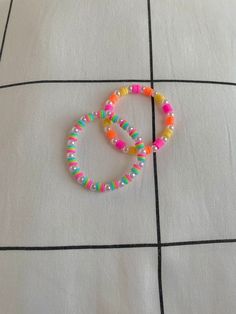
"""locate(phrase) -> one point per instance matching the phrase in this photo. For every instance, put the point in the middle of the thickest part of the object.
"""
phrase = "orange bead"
(148, 91)
(148, 150)
(114, 98)
(170, 120)
(132, 150)
(111, 134)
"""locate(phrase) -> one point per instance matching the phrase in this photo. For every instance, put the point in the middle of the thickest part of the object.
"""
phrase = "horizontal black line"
(115, 81)
(184, 243)
(112, 246)
(76, 247)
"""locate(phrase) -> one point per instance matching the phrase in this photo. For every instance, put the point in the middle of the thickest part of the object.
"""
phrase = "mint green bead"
(125, 125)
(134, 170)
(125, 180)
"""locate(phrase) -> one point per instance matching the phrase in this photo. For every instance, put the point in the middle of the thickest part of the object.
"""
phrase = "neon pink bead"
(77, 126)
(136, 89)
(78, 175)
(167, 108)
(137, 166)
(116, 184)
(123, 122)
(71, 151)
(89, 184)
(120, 144)
(159, 143)
(109, 107)
(132, 132)
(72, 163)
(72, 138)
(103, 187)
(128, 177)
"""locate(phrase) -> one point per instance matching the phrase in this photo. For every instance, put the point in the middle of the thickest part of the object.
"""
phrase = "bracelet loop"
(159, 99)
(72, 147)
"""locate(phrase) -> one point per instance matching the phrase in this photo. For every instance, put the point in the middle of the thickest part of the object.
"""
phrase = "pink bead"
(116, 184)
(103, 187)
(167, 108)
(132, 132)
(136, 89)
(78, 175)
(137, 166)
(72, 163)
(120, 144)
(77, 126)
(72, 151)
(109, 107)
(89, 184)
(159, 143)
(73, 138)
(128, 177)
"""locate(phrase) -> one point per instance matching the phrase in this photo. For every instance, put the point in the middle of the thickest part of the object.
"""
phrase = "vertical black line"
(155, 167)
(5, 29)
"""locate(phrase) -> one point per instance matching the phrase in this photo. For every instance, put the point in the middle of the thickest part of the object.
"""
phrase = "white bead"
(107, 129)
(141, 164)
(121, 120)
(93, 187)
(171, 114)
(143, 151)
(70, 155)
(75, 130)
(73, 168)
(122, 184)
(107, 187)
(96, 113)
(81, 180)
(70, 142)
(139, 139)
(117, 92)
(108, 113)
(165, 101)
(108, 102)
(84, 119)
(155, 93)
(143, 88)
(130, 128)
(171, 127)
(130, 89)
(165, 138)
(114, 141)
(154, 148)
(126, 149)
(132, 174)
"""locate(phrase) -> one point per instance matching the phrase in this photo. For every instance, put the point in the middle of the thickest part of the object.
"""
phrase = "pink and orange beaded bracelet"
(108, 117)
(160, 100)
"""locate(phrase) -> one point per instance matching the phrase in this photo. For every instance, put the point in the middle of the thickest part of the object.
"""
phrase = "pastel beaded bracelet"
(160, 100)
(73, 163)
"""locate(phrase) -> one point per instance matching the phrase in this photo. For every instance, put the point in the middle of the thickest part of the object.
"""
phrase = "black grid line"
(114, 246)
(158, 223)
(116, 81)
(5, 29)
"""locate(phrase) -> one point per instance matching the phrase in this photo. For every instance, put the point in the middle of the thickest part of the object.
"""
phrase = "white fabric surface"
(42, 206)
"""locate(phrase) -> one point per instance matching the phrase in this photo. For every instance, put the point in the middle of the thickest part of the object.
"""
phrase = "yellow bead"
(132, 150)
(159, 98)
(167, 133)
(107, 122)
(124, 91)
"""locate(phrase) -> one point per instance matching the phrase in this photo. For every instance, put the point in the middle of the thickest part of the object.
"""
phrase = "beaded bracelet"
(73, 162)
(159, 99)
